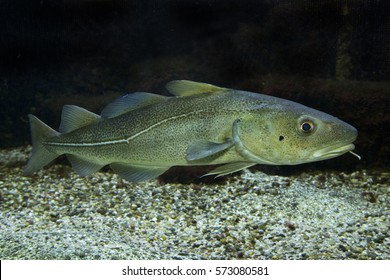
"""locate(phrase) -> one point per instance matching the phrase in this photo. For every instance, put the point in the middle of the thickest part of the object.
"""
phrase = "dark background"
(330, 55)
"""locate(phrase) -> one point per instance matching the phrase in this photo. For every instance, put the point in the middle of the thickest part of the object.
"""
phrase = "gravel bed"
(56, 214)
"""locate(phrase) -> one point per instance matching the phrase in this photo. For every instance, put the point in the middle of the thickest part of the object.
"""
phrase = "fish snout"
(346, 135)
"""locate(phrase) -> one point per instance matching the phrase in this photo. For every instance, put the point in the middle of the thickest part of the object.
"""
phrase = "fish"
(141, 135)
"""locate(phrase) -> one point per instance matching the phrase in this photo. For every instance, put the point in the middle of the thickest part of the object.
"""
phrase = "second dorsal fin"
(130, 102)
(188, 88)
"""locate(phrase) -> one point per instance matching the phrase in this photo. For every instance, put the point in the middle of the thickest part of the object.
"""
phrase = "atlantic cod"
(141, 135)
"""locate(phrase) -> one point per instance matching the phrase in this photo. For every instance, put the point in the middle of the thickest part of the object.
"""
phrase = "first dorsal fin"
(188, 88)
(74, 117)
(130, 102)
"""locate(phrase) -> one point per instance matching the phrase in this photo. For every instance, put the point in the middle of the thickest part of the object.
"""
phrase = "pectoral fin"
(137, 173)
(230, 168)
(202, 148)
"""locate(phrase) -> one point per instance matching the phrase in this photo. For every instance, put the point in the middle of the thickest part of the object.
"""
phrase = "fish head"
(291, 133)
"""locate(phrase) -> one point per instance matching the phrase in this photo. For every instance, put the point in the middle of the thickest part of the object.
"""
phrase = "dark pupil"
(306, 127)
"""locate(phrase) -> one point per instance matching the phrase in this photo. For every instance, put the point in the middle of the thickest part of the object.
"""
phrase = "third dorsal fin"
(74, 117)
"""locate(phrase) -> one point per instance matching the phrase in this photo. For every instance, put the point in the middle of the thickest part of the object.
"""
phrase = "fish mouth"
(333, 151)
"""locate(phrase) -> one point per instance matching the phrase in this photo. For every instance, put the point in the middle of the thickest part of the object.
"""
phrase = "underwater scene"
(201, 130)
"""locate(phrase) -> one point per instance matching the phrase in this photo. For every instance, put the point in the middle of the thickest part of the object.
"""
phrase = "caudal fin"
(40, 155)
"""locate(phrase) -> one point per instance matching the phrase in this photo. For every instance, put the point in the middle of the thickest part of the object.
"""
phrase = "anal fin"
(82, 166)
(230, 168)
(137, 173)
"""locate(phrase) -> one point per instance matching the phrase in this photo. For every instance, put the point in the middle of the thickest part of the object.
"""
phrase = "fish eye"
(306, 126)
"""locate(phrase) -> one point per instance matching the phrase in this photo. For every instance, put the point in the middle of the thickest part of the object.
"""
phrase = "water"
(331, 55)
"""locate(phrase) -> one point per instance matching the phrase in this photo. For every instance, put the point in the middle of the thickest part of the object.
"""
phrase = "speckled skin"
(269, 128)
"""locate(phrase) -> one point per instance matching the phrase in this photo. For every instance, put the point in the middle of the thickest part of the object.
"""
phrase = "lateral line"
(118, 141)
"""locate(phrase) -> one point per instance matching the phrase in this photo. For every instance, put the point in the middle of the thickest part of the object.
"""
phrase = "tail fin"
(40, 155)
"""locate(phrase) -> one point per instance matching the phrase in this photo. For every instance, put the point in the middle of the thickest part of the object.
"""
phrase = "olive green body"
(160, 134)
